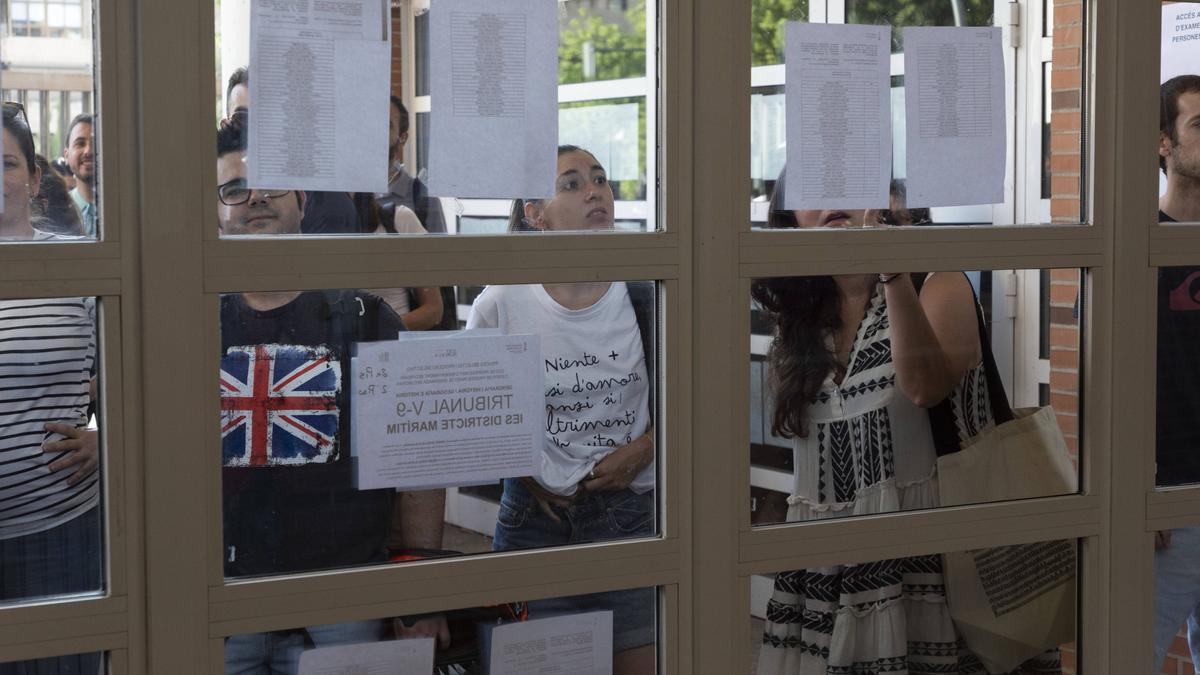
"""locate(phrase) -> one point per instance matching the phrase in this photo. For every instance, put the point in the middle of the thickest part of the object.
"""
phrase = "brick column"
(1066, 179)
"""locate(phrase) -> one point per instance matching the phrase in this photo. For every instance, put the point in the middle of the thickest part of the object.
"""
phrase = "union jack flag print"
(279, 405)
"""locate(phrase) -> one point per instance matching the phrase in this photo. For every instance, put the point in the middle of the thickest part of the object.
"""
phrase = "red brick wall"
(1066, 122)
(397, 52)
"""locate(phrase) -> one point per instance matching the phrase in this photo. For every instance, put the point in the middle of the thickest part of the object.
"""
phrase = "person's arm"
(421, 516)
(81, 445)
(935, 336)
(618, 468)
(428, 313)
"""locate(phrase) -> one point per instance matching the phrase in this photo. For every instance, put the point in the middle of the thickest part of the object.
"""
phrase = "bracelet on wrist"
(888, 278)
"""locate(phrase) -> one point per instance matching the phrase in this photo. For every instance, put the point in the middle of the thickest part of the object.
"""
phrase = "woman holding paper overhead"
(597, 468)
(856, 362)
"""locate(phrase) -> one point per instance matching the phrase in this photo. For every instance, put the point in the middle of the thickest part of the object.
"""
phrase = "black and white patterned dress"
(869, 450)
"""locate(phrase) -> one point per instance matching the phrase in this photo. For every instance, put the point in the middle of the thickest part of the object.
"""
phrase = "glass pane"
(1054, 126)
(869, 397)
(601, 40)
(1067, 74)
(1176, 618)
(1175, 399)
(766, 28)
(51, 518)
(606, 93)
(612, 632)
(1179, 128)
(906, 614)
(66, 201)
(414, 450)
(94, 662)
(421, 42)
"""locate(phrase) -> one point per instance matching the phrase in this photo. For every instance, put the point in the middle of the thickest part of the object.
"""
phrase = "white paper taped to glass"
(456, 411)
(320, 77)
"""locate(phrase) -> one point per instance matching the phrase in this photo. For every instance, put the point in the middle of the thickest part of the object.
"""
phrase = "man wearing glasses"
(290, 504)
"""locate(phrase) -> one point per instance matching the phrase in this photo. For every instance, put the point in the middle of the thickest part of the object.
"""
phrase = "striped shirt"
(47, 359)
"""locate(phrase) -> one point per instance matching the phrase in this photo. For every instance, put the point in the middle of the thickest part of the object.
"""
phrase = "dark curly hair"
(805, 312)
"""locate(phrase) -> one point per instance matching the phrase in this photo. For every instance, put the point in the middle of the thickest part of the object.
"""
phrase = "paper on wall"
(373, 658)
(839, 149)
(1180, 40)
(580, 644)
(954, 109)
(494, 98)
(433, 413)
(320, 77)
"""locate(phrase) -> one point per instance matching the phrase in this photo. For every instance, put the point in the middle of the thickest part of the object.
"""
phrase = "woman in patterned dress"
(855, 362)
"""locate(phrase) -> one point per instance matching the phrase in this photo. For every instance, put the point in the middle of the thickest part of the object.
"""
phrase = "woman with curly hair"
(856, 362)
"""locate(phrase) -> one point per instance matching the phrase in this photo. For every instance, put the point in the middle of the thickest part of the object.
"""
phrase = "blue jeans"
(599, 516)
(1177, 593)
(278, 652)
(62, 560)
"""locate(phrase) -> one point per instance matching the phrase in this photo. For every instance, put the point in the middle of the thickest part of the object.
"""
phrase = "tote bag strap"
(941, 416)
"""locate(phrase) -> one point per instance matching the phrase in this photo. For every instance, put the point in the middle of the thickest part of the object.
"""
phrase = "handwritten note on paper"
(839, 131)
(320, 76)
(494, 124)
(1180, 40)
(580, 644)
(954, 104)
(377, 658)
(440, 413)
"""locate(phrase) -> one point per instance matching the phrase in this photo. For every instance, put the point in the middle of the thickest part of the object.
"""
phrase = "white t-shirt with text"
(596, 385)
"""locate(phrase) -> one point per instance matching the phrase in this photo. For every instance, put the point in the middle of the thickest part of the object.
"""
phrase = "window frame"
(160, 269)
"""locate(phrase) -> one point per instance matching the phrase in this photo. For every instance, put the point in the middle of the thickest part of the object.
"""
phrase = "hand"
(618, 469)
(83, 446)
(546, 499)
(433, 626)
(1162, 539)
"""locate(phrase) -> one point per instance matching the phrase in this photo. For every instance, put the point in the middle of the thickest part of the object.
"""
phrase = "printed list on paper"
(839, 149)
(379, 658)
(580, 644)
(494, 125)
(954, 108)
(320, 75)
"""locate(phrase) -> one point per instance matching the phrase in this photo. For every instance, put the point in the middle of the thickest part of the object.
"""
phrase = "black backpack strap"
(420, 200)
(941, 416)
(348, 318)
(642, 297)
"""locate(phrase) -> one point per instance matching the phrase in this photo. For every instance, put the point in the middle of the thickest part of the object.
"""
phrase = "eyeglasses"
(235, 192)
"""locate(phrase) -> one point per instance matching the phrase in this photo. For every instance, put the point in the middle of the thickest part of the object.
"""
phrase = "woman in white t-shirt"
(597, 468)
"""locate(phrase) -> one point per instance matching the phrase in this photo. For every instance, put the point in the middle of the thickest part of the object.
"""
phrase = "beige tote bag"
(1011, 603)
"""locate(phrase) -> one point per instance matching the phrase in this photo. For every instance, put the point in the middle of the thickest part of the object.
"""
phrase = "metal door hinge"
(1011, 290)
(1014, 24)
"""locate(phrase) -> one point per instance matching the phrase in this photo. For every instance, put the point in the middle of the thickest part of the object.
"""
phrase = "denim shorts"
(599, 516)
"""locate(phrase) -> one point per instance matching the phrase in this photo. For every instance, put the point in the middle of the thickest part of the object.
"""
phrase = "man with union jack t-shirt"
(290, 503)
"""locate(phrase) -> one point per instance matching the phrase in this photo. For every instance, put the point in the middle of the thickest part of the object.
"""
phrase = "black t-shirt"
(290, 503)
(1178, 399)
(329, 213)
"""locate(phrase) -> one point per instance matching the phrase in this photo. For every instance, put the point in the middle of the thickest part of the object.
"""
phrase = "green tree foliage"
(620, 49)
(767, 18)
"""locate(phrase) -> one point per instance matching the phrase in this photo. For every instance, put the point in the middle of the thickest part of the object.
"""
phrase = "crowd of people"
(856, 361)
